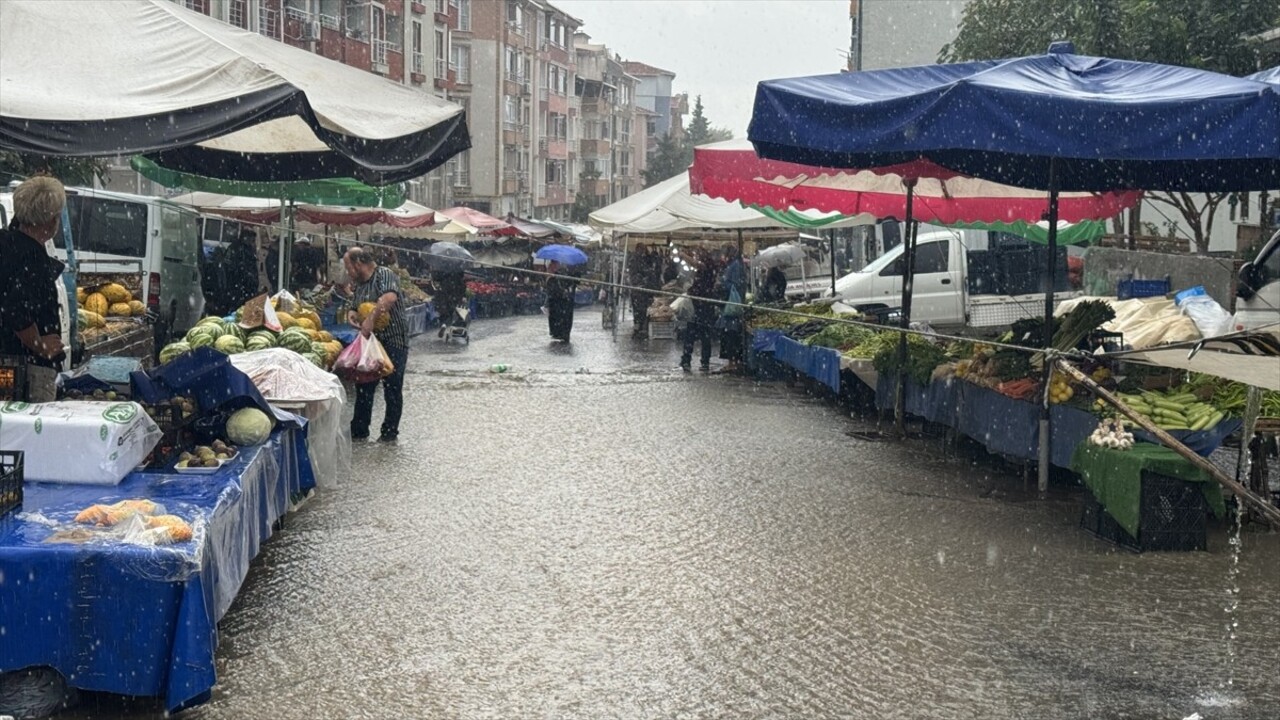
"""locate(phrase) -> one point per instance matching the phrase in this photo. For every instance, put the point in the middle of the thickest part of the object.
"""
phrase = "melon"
(249, 426)
(228, 345)
(90, 319)
(286, 320)
(137, 308)
(120, 309)
(96, 302)
(115, 293)
(173, 350)
(296, 342)
(81, 294)
(305, 322)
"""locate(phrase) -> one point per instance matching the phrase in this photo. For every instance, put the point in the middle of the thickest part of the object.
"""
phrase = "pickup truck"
(958, 280)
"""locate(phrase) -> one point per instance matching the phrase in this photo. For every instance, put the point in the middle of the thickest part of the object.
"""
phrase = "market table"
(1115, 478)
(820, 363)
(132, 619)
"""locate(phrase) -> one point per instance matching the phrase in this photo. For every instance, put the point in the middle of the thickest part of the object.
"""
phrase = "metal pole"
(831, 235)
(908, 270)
(1050, 282)
(69, 276)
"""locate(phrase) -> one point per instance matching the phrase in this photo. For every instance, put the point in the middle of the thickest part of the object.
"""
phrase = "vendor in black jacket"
(30, 320)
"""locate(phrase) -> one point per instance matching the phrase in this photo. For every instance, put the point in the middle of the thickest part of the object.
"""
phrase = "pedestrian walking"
(731, 286)
(372, 283)
(30, 318)
(560, 290)
(703, 323)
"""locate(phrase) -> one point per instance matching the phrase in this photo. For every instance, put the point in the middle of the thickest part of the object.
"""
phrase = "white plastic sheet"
(285, 377)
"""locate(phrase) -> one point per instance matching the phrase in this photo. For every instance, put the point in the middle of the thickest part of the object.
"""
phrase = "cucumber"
(1200, 423)
(1214, 420)
(1167, 405)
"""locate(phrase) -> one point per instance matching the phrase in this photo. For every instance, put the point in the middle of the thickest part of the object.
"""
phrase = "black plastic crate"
(174, 435)
(10, 481)
(13, 377)
(1173, 517)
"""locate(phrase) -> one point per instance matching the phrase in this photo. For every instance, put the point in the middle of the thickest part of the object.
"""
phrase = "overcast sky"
(721, 48)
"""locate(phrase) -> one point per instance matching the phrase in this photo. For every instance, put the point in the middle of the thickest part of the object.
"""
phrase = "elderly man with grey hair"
(30, 321)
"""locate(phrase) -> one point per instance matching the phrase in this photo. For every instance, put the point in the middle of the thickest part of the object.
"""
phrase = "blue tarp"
(1113, 124)
(1271, 77)
(820, 363)
(139, 620)
(419, 317)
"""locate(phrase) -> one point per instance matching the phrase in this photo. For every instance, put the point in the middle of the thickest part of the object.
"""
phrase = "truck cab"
(1258, 289)
(939, 293)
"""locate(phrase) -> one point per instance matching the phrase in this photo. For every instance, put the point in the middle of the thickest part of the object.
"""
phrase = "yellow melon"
(92, 319)
(383, 320)
(120, 309)
(96, 303)
(81, 294)
(137, 308)
(305, 322)
(325, 336)
(286, 320)
(115, 293)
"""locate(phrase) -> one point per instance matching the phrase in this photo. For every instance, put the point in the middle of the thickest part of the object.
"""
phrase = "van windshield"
(109, 227)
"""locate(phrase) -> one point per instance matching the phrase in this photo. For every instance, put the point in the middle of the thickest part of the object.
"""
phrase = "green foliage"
(673, 156)
(584, 203)
(70, 171)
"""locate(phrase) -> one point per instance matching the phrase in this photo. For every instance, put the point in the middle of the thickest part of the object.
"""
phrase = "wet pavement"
(595, 534)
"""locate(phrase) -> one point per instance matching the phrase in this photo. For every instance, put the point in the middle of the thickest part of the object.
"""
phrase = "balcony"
(554, 194)
(419, 68)
(594, 148)
(463, 73)
(418, 8)
(442, 73)
(594, 188)
(269, 23)
(462, 178)
(380, 51)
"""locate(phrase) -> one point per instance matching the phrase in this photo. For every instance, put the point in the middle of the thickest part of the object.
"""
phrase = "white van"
(148, 237)
(943, 292)
(1258, 289)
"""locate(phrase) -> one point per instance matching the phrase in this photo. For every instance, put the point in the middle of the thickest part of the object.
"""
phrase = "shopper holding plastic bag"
(378, 311)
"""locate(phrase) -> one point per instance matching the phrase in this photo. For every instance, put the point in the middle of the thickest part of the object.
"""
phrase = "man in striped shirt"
(378, 285)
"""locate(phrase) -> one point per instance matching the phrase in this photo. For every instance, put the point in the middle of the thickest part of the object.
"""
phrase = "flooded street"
(595, 534)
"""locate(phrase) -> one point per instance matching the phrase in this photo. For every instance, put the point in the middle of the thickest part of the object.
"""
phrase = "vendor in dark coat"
(705, 313)
(645, 272)
(775, 286)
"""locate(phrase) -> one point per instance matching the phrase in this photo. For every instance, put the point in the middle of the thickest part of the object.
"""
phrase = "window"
(377, 22)
(931, 257)
(515, 16)
(1268, 268)
(555, 172)
(462, 169)
(464, 15)
(238, 13)
(106, 226)
(514, 64)
(511, 111)
(462, 63)
(441, 7)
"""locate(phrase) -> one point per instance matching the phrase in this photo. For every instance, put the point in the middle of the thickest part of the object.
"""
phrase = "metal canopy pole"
(908, 272)
(1050, 282)
(831, 235)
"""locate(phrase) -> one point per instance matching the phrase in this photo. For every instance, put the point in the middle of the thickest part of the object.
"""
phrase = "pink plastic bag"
(364, 361)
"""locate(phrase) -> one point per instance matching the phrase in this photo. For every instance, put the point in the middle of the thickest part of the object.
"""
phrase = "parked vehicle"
(958, 279)
(150, 238)
(1258, 289)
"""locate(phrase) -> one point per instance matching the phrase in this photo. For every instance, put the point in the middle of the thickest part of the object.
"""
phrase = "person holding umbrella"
(561, 287)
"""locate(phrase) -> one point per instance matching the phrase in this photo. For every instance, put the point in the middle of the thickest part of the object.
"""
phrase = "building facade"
(542, 130)
(663, 111)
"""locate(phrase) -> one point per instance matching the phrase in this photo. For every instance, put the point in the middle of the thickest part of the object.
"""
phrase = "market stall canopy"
(670, 206)
(732, 171)
(108, 77)
(248, 209)
(1102, 123)
(1252, 358)
(580, 233)
(484, 224)
(1270, 77)
(331, 191)
(531, 228)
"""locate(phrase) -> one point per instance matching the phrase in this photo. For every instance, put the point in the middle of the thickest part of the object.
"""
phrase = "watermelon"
(209, 321)
(263, 336)
(235, 331)
(258, 343)
(296, 342)
(315, 359)
(228, 345)
(319, 348)
(173, 350)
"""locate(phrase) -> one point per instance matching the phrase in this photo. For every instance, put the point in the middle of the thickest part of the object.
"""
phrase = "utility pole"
(854, 63)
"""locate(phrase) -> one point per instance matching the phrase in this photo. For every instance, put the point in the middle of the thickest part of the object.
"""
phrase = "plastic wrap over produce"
(283, 376)
(78, 442)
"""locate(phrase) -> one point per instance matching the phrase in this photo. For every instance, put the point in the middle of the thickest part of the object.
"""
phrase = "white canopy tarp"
(1249, 358)
(670, 206)
(108, 77)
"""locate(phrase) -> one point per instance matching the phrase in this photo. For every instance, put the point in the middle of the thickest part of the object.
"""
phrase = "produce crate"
(1173, 517)
(10, 481)
(662, 330)
(174, 435)
(1129, 288)
(13, 377)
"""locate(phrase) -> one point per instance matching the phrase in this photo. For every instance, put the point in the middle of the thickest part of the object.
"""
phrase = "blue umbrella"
(563, 254)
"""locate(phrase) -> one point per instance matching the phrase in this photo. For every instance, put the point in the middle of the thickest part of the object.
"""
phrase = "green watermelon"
(173, 350)
(315, 359)
(258, 343)
(228, 345)
(200, 340)
(296, 342)
(211, 320)
(265, 336)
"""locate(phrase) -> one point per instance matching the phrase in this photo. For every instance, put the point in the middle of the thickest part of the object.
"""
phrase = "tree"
(585, 203)
(669, 160)
(1205, 34)
(699, 130)
(69, 170)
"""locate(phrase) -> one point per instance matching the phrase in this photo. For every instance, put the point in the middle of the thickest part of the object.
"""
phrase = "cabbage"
(249, 426)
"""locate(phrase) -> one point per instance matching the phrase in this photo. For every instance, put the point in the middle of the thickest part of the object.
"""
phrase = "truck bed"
(1004, 310)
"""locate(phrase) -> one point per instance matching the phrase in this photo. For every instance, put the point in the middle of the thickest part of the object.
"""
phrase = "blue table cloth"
(820, 363)
(138, 620)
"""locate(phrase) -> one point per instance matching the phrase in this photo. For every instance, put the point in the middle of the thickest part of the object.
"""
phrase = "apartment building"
(518, 62)
(613, 145)
(662, 110)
